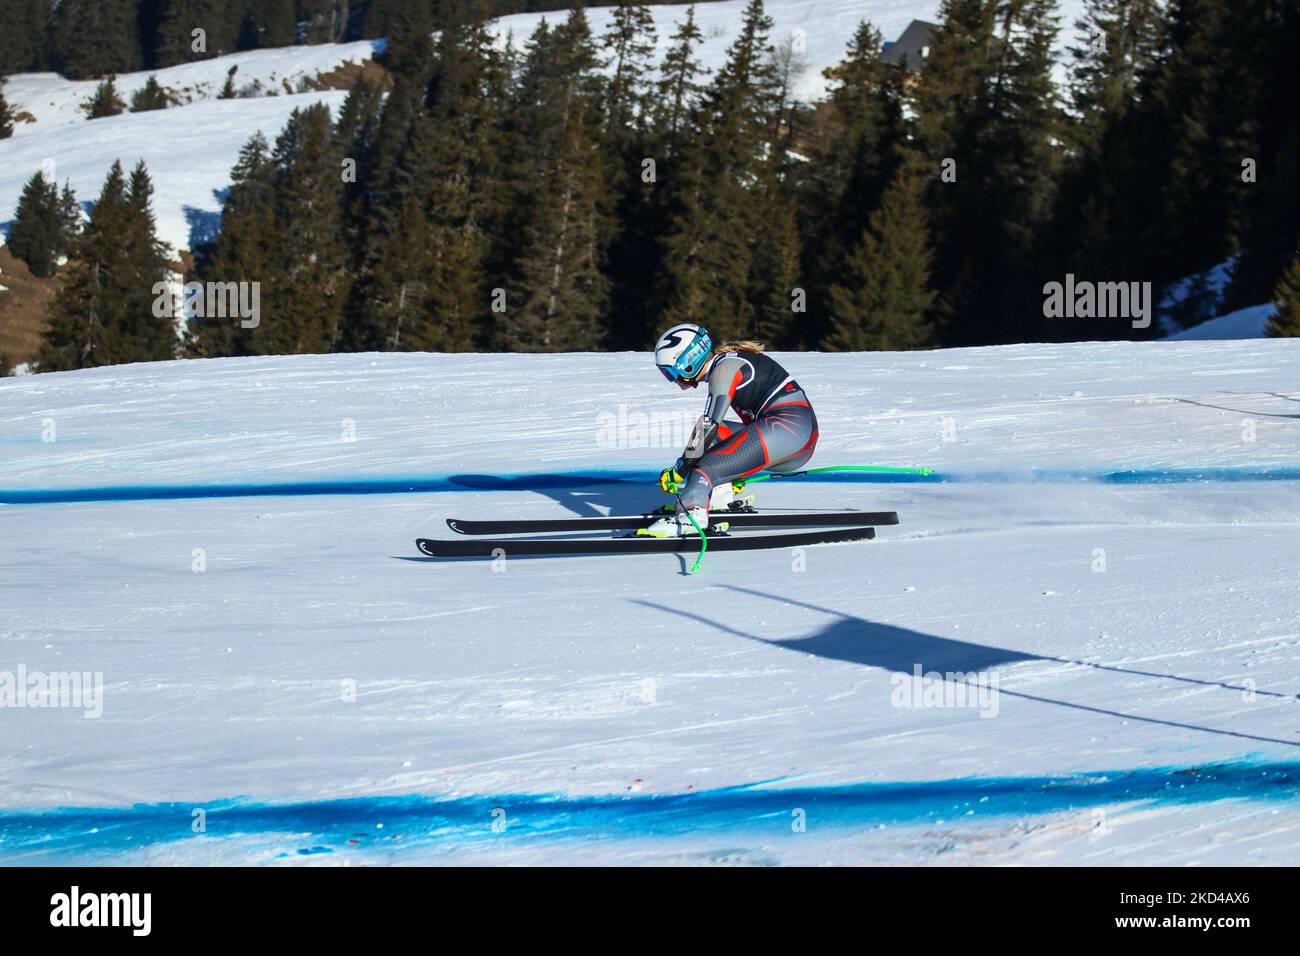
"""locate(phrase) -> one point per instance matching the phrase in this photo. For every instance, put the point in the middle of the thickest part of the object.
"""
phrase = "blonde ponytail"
(744, 345)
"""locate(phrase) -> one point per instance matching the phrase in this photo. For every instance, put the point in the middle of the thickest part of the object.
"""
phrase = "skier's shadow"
(899, 650)
(583, 495)
(873, 644)
(1239, 411)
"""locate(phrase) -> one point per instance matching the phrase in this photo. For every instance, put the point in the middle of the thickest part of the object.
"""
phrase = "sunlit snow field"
(1110, 542)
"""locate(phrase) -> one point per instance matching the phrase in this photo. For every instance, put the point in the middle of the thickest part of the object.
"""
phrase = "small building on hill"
(912, 48)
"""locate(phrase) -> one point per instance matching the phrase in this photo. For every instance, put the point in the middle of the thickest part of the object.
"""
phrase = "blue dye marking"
(549, 481)
(396, 822)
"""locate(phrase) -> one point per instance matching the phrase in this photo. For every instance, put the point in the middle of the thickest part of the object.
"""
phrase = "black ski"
(488, 547)
(737, 519)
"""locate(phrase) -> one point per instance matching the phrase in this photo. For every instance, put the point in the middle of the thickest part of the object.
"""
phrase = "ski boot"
(729, 497)
(725, 497)
(679, 525)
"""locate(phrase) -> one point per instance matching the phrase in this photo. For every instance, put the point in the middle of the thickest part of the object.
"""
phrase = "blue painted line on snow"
(397, 822)
(558, 481)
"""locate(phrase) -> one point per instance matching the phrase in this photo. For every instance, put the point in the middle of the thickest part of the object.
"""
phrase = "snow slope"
(1247, 323)
(189, 152)
(190, 148)
(52, 100)
(1110, 545)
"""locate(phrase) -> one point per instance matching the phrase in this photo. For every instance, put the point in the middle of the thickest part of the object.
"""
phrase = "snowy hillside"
(1110, 545)
(190, 149)
(51, 100)
(1247, 323)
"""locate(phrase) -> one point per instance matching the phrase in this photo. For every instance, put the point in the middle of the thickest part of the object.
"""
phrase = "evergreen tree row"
(567, 196)
(90, 38)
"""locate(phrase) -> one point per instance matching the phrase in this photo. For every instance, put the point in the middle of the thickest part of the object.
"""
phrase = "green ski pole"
(880, 469)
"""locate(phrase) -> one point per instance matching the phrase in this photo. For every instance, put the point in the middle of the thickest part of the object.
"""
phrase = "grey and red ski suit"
(777, 430)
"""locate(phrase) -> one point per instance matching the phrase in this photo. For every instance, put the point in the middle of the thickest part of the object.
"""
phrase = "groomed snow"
(1113, 538)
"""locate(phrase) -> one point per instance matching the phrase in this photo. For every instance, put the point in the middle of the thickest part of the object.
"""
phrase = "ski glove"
(670, 481)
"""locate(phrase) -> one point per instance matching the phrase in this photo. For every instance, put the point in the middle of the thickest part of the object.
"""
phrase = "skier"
(777, 430)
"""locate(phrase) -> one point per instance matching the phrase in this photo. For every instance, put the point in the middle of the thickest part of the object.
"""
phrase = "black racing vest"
(762, 379)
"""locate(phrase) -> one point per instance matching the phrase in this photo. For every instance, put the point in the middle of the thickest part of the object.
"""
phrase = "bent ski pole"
(704, 541)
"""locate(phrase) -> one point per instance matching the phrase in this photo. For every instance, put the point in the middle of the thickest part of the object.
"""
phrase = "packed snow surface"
(1108, 551)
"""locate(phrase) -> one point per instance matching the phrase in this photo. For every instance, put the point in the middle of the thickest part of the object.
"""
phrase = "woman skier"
(777, 430)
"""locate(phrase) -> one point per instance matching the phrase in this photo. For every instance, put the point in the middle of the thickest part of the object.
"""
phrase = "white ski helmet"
(682, 351)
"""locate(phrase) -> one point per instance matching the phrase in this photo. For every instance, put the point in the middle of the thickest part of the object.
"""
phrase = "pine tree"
(356, 132)
(39, 234)
(678, 89)
(630, 42)
(409, 58)
(853, 154)
(228, 91)
(384, 18)
(715, 217)
(1107, 73)
(884, 299)
(151, 96)
(1106, 198)
(277, 23)
(464, 179)
(23, 39)
(408, 26)
(560, 289)
(92, 312)
(148, 338)
(560, 279)
(105, 101)
(774, 272)
(775, 269)
(244, 249)
(393, 283)
(1285, 321)
(985, 102)
(391, 209)
(628, 140)
(6, 115)
(304, 284)
(1206, 103)
(1273, 205)
(71, 217)
(325, 21)
(151, 17)
(95, 37)
(197, 30)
